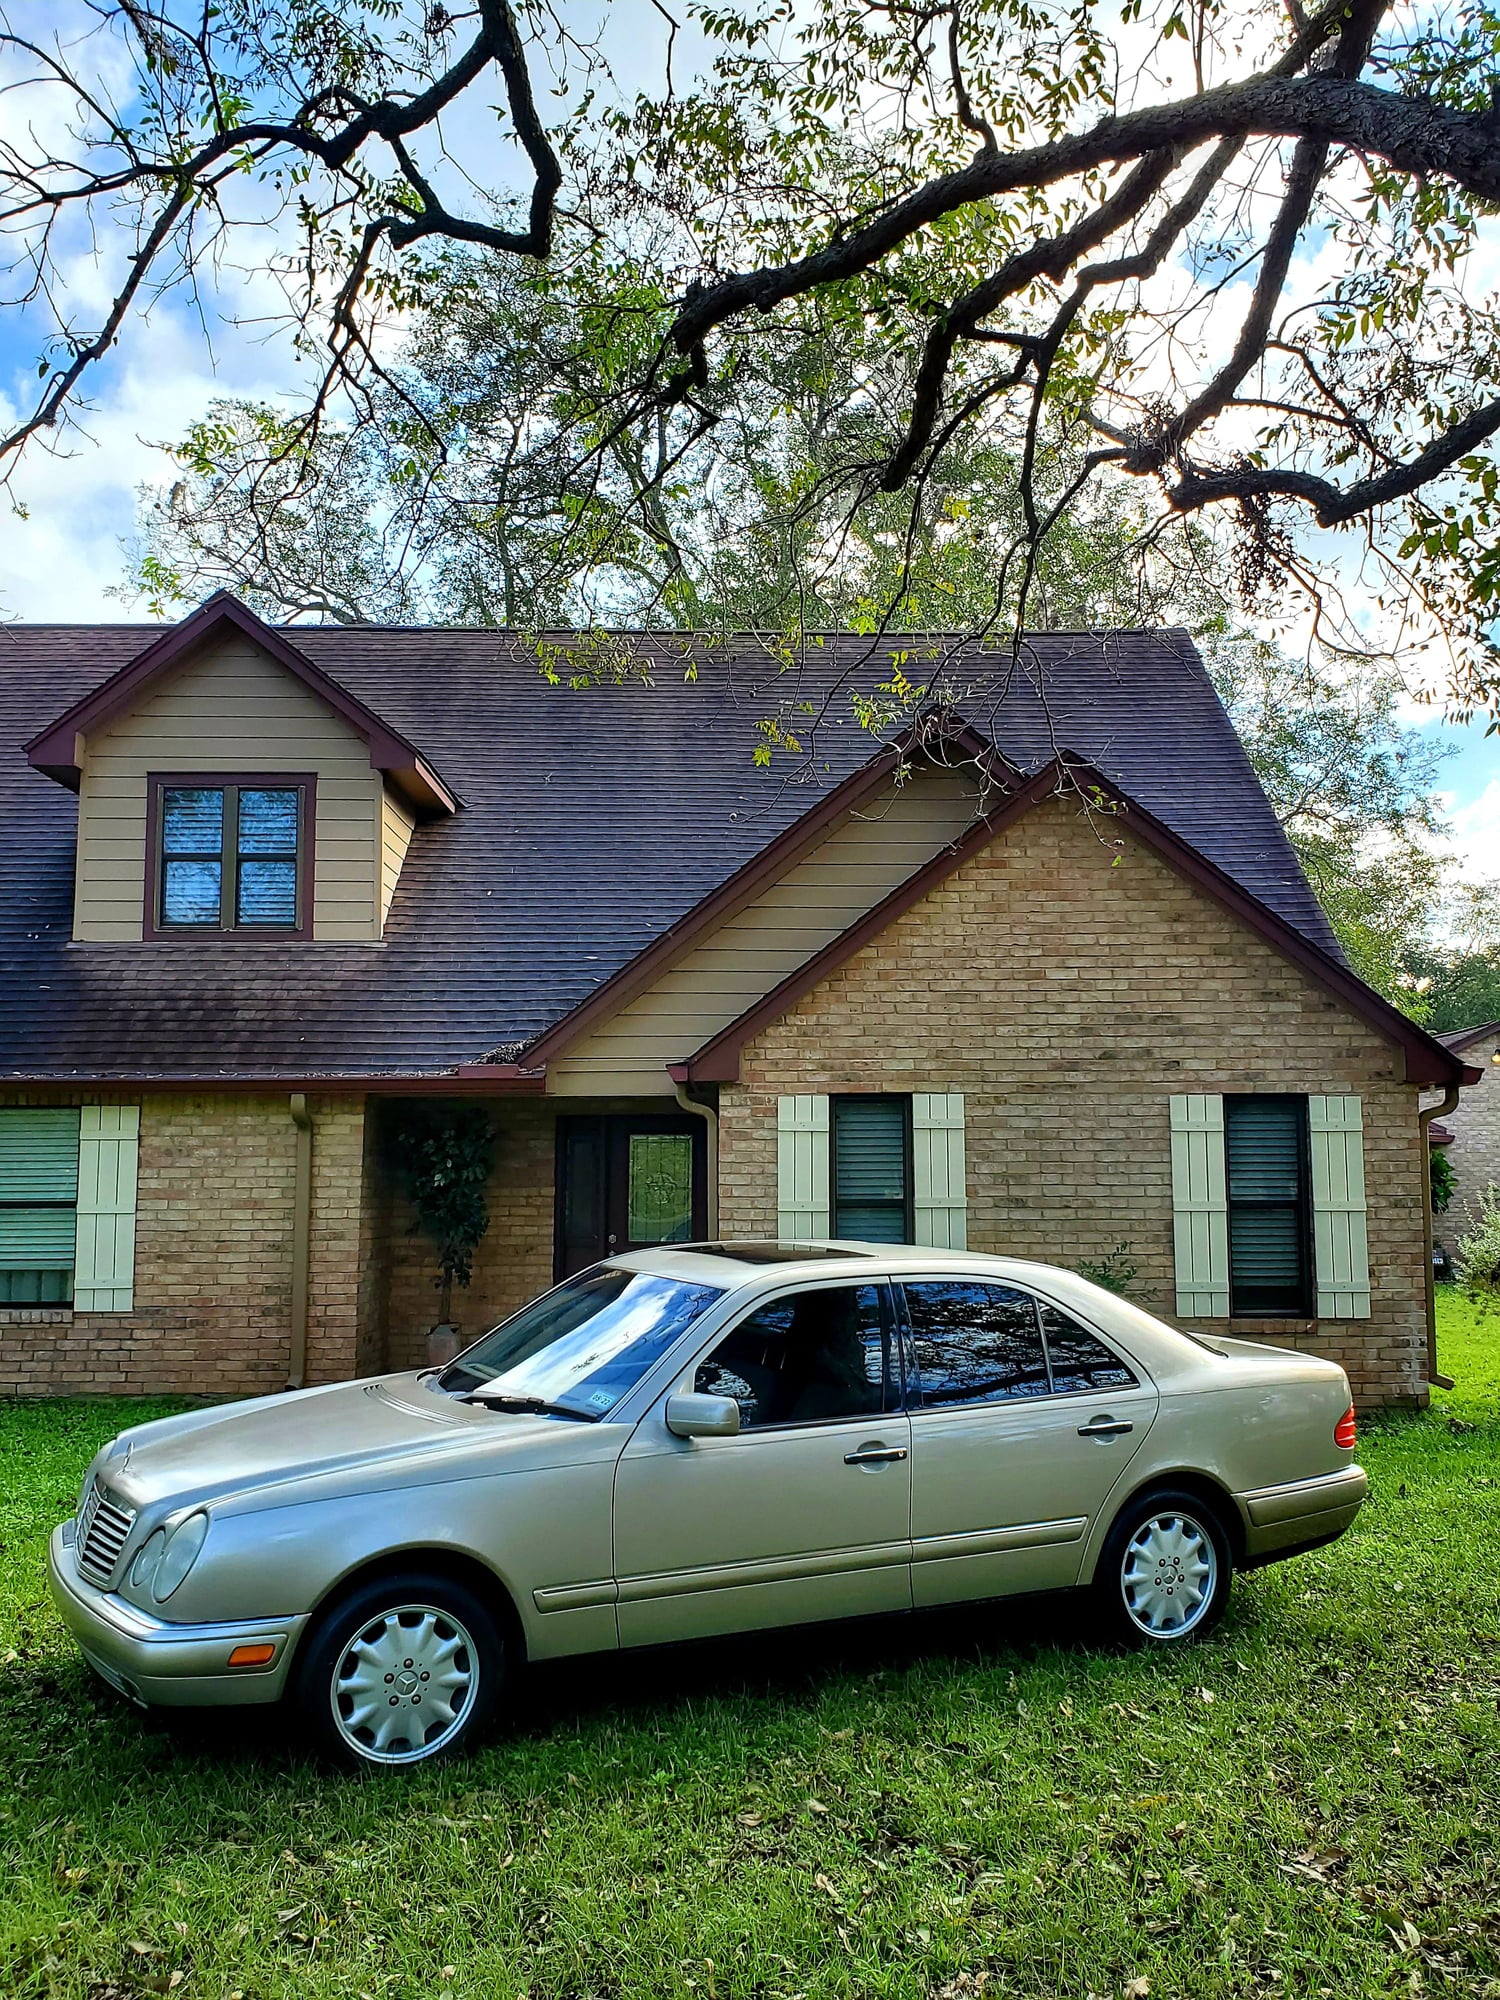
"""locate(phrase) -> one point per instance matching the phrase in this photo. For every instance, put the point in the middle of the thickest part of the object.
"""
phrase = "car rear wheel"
(401, 1670)
(1164, 1573)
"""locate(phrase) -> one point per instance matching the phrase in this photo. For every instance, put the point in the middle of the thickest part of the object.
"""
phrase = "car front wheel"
(1164, 1573)
(400, 1670)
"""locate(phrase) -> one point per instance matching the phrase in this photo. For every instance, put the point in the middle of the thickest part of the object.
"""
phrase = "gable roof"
(54, 751)
(1427, 1060)
(1464, 1038)
(595, 820)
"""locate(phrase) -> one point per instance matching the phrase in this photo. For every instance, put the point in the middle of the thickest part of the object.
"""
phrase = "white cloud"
(57, 563)
(1476, 833)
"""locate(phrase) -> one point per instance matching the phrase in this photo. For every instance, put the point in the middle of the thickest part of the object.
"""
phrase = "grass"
(1305, 1806)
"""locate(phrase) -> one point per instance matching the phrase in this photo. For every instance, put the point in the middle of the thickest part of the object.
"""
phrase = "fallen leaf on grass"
(1135, 1989)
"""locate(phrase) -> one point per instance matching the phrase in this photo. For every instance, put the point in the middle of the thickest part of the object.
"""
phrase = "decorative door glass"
(660, 1192)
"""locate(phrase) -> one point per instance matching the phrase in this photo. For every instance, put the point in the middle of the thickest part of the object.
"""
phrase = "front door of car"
(806, 1513)
(1023, 1422)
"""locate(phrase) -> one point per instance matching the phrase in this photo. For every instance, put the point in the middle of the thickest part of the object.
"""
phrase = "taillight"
(1343, 1430)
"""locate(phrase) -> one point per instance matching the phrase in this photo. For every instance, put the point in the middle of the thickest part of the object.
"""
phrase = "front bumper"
(1280, 1520)
(159, 1664)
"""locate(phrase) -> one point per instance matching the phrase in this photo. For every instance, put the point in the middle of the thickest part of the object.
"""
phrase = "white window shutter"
(1337, 1142)
(104, 1268)
(940, 1200)
(802, 1169)
(1200, 1212)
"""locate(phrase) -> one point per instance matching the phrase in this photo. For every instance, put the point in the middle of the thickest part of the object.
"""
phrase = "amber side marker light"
(1343, 1430)
(252, 1656)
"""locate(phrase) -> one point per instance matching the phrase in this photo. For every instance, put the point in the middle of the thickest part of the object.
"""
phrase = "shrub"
(1114, 1271)
(442, 1153)
(1478, 1260)
(1440, 1168)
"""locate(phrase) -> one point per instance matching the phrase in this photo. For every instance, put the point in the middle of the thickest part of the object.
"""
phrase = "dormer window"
(230, 855)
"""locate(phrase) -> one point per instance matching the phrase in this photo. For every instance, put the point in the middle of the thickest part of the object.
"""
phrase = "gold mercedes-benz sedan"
(714, 1438)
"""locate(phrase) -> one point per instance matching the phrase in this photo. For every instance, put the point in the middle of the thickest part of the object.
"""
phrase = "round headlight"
(178, 1556)
(144, 1567)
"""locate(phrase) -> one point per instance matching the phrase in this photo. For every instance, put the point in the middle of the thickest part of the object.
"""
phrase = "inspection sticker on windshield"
(603, 1399)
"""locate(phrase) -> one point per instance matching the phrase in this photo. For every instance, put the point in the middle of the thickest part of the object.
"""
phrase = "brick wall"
(212, 1310)
(1068, 997)
(1475, 1152)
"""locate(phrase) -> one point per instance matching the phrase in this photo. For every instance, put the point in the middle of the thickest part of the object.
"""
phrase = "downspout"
(710, 1119)
(301, 1238)
(1424, 1119)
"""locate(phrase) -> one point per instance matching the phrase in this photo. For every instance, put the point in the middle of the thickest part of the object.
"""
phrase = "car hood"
(309, 1432)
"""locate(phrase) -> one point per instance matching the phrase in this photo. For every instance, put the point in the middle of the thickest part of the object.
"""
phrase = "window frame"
(1307, 1296)
(305, 783)
(836, 1101)
(893, 1356)
(911, 1372)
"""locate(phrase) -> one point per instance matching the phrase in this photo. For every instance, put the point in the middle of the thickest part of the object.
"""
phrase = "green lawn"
(1306, 1806)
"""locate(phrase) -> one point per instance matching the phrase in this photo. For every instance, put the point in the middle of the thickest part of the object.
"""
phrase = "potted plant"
(442, 1154)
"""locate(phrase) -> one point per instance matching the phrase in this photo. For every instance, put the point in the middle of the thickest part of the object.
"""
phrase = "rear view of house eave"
(231, 708)
(866, 855)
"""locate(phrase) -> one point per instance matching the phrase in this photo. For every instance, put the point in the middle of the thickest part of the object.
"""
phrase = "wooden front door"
(627, 1181)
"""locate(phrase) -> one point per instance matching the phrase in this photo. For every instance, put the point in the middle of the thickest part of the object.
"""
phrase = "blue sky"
(61, 561)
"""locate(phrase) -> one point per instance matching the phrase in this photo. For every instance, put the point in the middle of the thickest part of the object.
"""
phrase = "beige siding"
(230, 708)
(862, 860)
(396, 825)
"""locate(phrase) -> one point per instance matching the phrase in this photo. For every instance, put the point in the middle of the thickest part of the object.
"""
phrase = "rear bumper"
(159, 1664)
(1280, 1520)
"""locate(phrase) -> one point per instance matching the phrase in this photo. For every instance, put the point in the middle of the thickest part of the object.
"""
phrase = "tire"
(401, 1670)
(1164, 1573)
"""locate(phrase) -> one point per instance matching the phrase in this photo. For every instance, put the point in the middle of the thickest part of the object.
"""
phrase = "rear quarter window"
(1080, 1360)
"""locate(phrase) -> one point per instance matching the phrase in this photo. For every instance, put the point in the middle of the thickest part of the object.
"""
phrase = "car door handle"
(1104, 1427)
(875, 1454)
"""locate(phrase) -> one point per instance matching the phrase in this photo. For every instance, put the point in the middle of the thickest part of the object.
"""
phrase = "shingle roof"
(1463, 1038)
(594, 818)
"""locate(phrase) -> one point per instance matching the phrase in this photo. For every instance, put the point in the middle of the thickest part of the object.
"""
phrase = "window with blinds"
(38, 1203)
(872, 1169)
(1269, 1203)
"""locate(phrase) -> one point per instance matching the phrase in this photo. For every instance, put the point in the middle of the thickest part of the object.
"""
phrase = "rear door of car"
(1023, 1423)
(806, 1513)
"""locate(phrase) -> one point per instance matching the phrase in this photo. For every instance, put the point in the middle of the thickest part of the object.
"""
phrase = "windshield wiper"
(530, 1406)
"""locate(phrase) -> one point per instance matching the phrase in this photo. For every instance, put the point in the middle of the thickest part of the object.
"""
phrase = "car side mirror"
(695, 1416)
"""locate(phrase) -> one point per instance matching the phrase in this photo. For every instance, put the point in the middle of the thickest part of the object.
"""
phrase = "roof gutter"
(1424, 1120)
(710, 1118)
(301, 1238)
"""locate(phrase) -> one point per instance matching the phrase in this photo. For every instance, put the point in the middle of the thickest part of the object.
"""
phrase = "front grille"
(103, 1529)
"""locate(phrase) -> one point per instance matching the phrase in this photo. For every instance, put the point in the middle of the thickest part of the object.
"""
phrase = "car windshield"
(582, 1346)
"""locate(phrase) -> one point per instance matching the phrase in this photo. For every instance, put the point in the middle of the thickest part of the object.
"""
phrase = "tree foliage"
(1457, 972)
(1213, 254)
(1354, 788)
(354, 528)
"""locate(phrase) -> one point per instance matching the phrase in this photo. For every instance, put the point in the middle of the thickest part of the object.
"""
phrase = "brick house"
(1470, 1133)
(1046, 978)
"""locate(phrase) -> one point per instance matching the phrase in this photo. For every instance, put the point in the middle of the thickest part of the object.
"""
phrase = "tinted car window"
(1079, 1359)
(975, 1343)
(812, 1357)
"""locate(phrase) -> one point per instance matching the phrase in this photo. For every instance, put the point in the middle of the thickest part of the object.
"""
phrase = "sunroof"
(778, 1253)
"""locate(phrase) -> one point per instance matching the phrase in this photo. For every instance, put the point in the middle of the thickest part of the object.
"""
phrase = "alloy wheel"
(404, 1684)
(1168, 1575)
